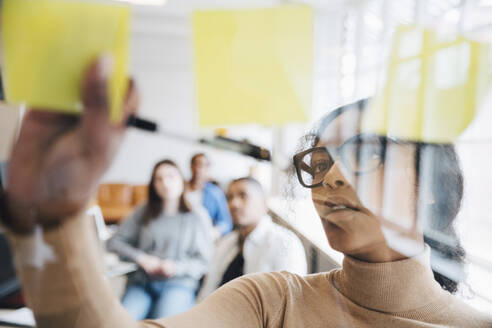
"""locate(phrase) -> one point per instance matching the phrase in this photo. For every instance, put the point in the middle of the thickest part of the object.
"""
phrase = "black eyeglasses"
(361, 154)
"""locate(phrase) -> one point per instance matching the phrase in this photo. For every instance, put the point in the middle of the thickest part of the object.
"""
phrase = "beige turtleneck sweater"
(69, 290)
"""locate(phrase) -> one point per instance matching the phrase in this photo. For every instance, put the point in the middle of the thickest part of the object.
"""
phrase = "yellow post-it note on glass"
(253, 66)
(433, 87)
(48, 45)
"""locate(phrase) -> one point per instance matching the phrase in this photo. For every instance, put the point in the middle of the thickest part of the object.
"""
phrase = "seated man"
(257, 245)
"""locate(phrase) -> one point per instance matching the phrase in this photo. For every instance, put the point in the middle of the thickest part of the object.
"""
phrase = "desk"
(23, 314)
(2, 312)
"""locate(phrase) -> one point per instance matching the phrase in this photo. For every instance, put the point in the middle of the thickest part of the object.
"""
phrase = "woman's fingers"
(95, 124)
(130, 106)
(39, 128)
(100, 137)
(95, 85)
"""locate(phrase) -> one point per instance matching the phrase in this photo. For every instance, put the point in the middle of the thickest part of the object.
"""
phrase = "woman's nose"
(334, 178)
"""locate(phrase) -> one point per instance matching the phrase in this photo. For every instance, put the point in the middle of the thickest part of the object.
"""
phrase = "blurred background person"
(257, 245)
(202, 192)
(171, 244)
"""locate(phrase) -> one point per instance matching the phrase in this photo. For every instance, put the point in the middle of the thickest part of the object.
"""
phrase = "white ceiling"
(183, 8)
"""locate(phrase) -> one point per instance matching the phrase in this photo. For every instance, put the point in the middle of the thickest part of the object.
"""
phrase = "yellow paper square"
(432, 89)
(48, 44)
(253, 66)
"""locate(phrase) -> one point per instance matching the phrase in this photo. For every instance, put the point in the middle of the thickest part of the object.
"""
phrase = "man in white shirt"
(257, 244)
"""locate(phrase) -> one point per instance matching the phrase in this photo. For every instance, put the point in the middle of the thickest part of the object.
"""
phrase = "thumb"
(95, 84)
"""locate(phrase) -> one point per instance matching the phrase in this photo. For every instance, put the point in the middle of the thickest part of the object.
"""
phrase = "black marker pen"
(237, 146)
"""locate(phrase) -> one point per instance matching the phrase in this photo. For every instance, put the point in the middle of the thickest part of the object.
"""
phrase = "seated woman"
(364, 190)
(171, 244)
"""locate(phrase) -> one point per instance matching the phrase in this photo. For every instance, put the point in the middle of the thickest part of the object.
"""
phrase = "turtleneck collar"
(399, 286)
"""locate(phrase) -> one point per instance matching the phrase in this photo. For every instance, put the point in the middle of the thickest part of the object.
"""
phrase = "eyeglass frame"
(297, 158)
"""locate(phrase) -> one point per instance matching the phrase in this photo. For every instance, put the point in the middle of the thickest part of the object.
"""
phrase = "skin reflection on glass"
(369, 192)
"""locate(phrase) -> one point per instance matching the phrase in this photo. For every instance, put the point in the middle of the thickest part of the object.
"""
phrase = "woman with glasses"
(387, 186)
(374, 196)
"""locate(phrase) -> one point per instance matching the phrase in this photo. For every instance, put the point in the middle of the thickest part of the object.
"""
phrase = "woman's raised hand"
(58, 159)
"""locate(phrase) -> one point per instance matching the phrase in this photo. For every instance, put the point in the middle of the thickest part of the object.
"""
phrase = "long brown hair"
(155, 202)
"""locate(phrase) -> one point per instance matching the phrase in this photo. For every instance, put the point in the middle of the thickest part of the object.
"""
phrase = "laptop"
(9, 284)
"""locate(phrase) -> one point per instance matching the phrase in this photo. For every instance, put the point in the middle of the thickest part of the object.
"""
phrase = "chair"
(140, 194)
(115, 200)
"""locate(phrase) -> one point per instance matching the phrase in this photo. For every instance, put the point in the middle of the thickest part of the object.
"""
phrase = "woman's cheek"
(399, 192)
(370, 191)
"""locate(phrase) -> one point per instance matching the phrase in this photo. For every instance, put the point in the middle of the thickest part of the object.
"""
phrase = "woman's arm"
(201, 251)
(65, 287)
(256, 300)
(55, 167)
(125, 240)
(63, 279)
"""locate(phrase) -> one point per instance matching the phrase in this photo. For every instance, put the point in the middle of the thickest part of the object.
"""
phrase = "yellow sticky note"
(433, 86)
(253, 66)
(48, 44)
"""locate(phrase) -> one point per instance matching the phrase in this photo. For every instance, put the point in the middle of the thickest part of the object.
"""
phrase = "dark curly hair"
(439, 165)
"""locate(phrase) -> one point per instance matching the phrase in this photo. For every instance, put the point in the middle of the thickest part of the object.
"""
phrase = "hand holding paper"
(58, 159)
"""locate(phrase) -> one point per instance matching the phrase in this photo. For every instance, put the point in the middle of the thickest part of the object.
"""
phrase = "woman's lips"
(336, 204)
(336, 210)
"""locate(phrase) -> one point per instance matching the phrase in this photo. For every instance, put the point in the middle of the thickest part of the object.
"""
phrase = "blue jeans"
(157, 299)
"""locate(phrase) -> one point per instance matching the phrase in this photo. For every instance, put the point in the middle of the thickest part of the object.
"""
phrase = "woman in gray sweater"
(171, 244)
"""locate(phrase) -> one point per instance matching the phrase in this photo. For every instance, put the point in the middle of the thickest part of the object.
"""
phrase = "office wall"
(161, 62)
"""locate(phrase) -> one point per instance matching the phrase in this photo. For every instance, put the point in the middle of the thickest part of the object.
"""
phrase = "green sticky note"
(253, 66)
(48, 45)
